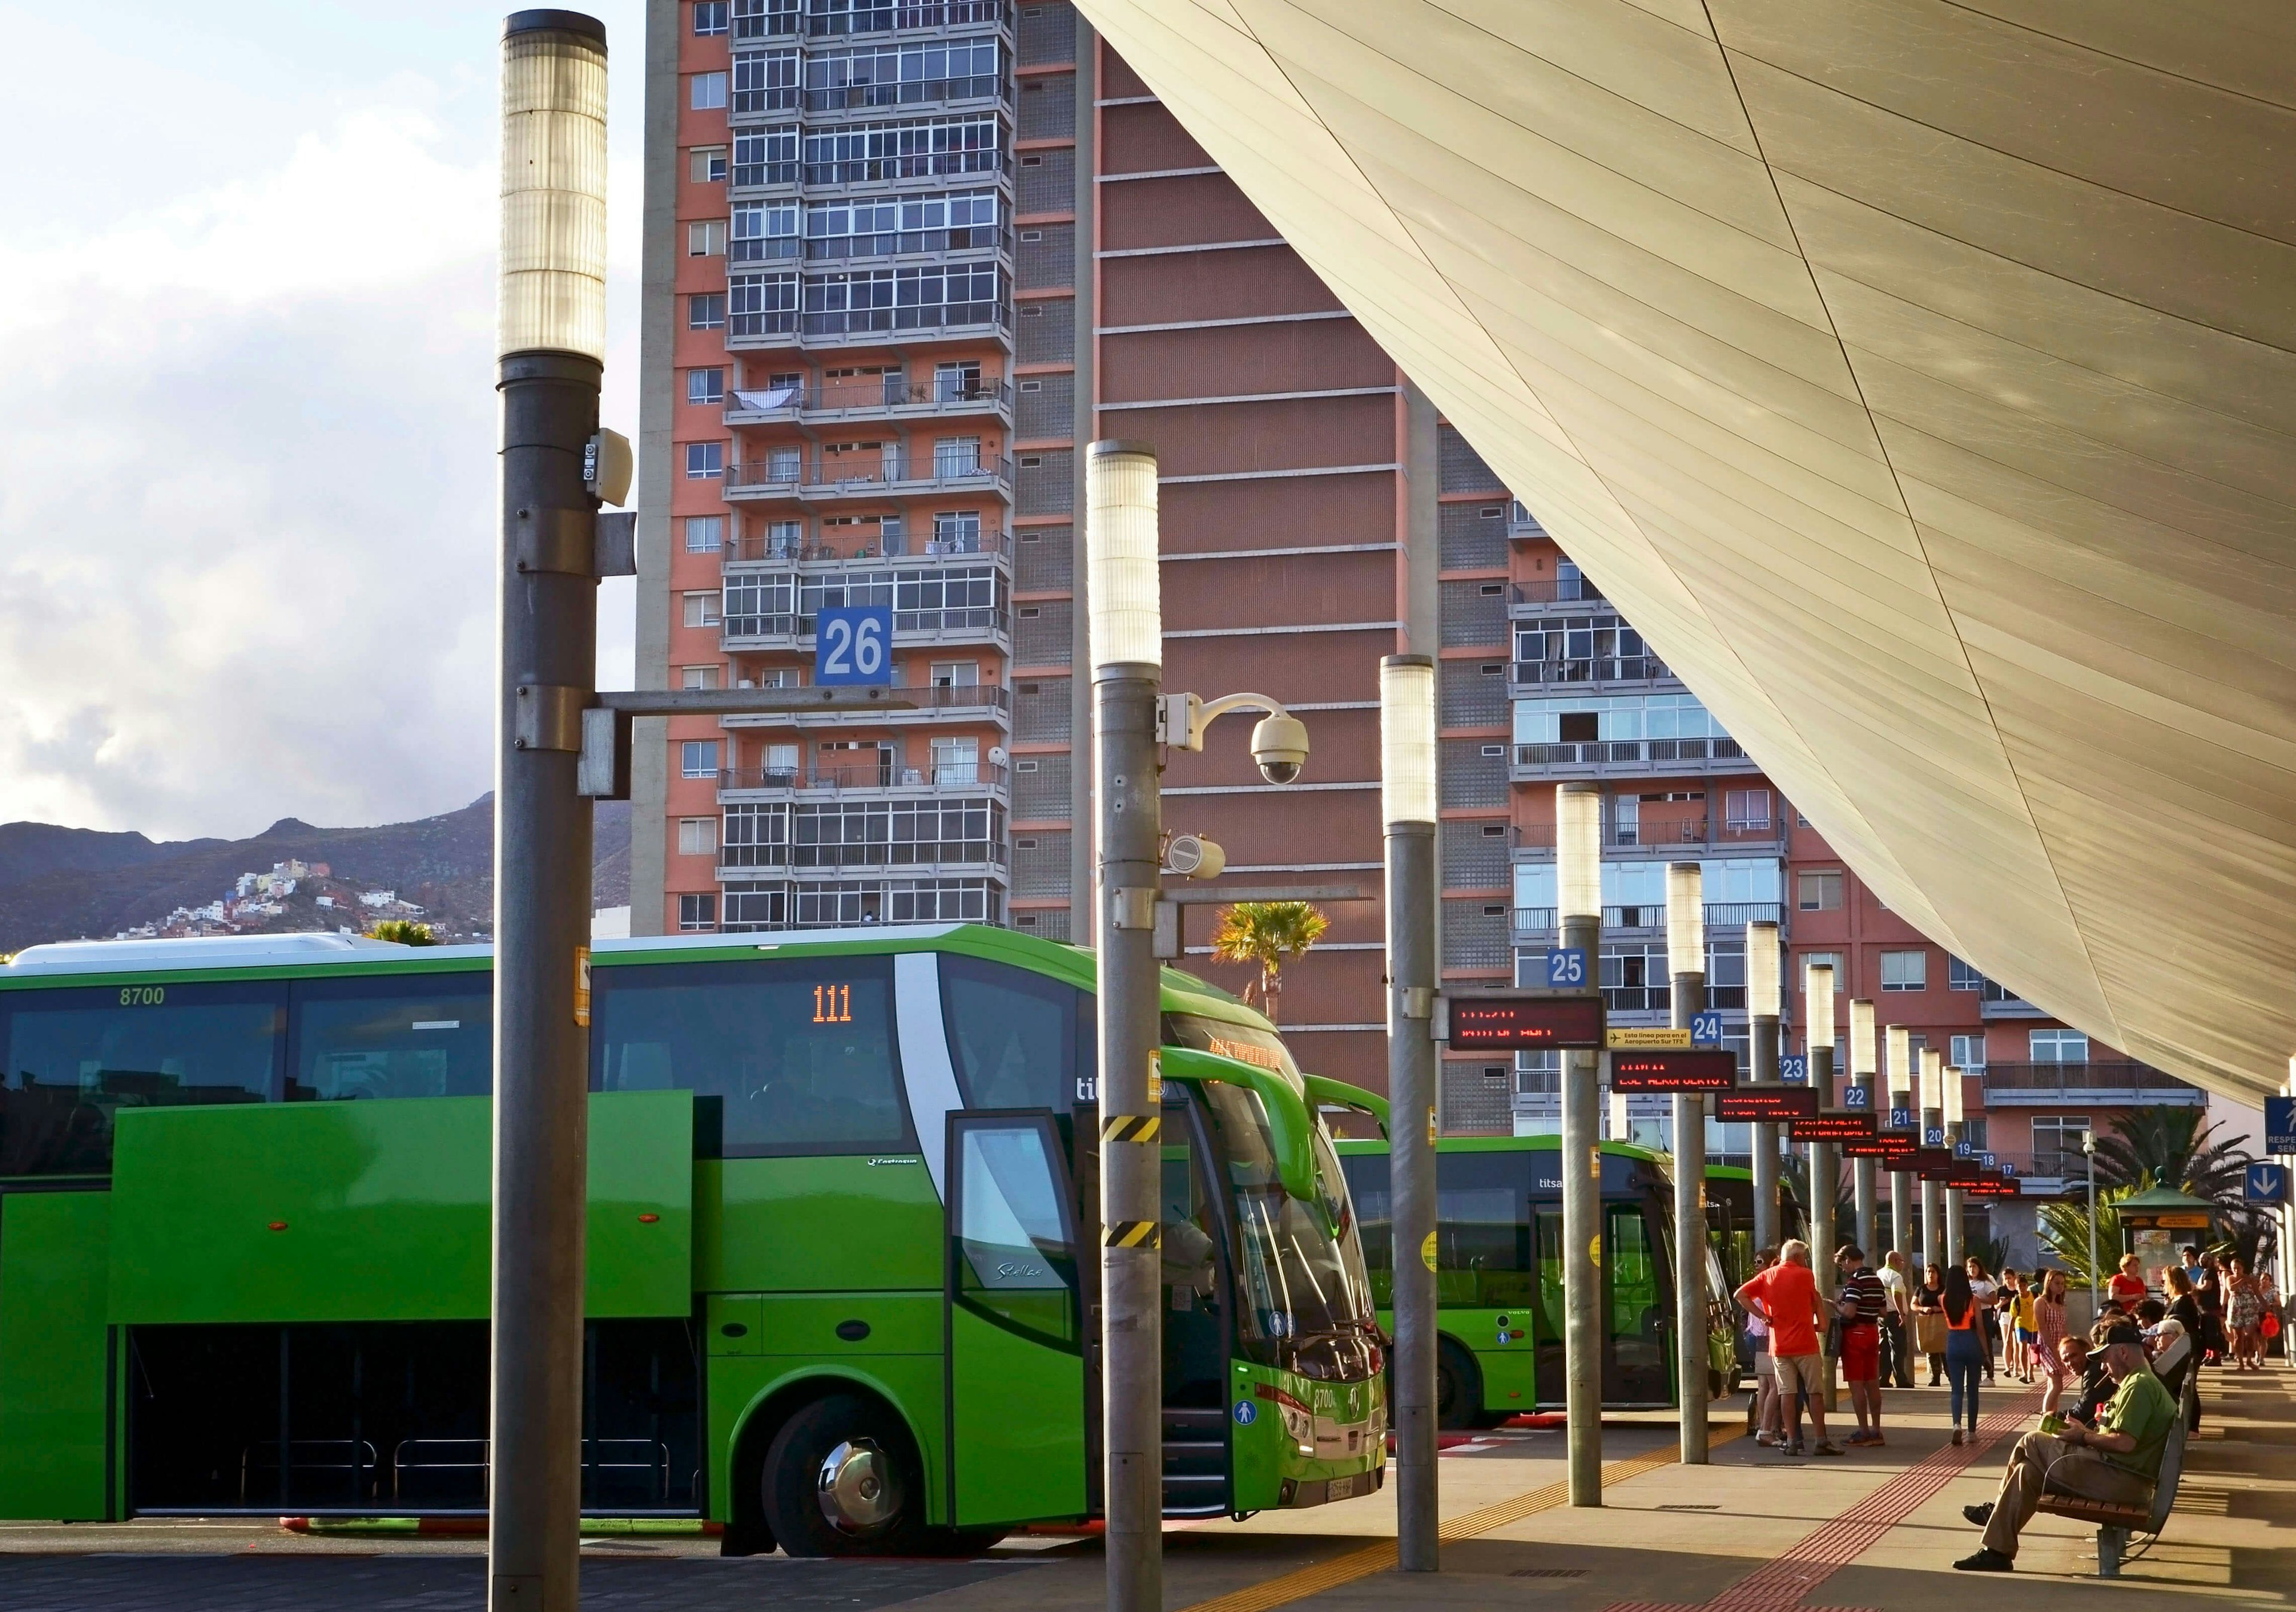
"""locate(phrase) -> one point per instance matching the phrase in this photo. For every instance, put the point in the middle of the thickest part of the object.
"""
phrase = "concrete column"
(1688, 997)
(1580, 1161)
(1762, 1054)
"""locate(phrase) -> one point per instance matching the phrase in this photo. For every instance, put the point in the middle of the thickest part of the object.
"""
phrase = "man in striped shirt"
(1863, 1302)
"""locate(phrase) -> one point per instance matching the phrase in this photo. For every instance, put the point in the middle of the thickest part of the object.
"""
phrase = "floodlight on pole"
(1685, 918)
(1900, 1041)
(1126, 603)
(1764, 971)
(1817, 998)
(1685, 955)
(1862, 1049)
(1406, 738)
(553, 267)
(1861, 1078)
(1579, 915)
(1578, 852)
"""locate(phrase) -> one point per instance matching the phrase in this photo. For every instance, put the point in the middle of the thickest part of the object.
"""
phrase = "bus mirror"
(1340, 1094)
(1291, 1125)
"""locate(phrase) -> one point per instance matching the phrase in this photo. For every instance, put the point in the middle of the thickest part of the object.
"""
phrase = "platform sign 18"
(854, 646)
(1566, 967)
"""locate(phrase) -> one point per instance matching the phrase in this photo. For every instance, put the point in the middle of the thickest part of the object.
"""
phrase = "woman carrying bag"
(1965, 1355)
(1928, 1321)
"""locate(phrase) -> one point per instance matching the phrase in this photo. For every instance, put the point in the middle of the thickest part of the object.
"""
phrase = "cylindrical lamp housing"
(1124, 591)
(1406, 737)
(1765, 971)
(1933, 1080)
(1817, 993)
(1900, 1041)
(1685, 918)
(1953, 1100)
(1861, 1041)
(1577, 851)
(553, 185)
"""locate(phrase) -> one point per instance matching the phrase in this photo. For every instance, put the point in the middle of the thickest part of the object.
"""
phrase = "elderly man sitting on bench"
(2117, 1461)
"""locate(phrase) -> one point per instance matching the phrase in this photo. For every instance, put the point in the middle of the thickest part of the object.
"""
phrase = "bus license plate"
(1342, 1488)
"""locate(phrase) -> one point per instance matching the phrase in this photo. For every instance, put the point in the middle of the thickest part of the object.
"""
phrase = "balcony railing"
(860, 474)
(744, 861)
(924, 316)
(1600, 752)
(1602, 668)
(961, 619)
(2103, 1081)
(907, 92)
(891, 545)
(885, 17)
(1650, 915)
(867, 397)
(964, 778)
(1555, 590)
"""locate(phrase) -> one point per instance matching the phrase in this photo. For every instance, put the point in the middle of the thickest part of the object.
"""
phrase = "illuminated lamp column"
(1578, 910)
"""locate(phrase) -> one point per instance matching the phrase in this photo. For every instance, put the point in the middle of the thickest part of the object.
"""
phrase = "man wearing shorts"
(1785, 1295)
(1864, 1301)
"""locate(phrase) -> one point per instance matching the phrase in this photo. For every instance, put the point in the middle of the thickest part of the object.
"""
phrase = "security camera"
(1193, 856)
(1279, 744)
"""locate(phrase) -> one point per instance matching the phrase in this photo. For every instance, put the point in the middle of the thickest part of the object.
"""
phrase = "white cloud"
(247, 451)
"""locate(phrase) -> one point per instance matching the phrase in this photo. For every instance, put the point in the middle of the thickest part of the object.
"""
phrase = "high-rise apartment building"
(902, 258)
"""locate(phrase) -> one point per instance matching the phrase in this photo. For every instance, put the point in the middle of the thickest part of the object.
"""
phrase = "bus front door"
(1016, 1328)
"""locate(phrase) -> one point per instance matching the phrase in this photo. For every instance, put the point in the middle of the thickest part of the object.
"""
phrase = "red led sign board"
(1767, 1103)
(1870, 1147)
(1525, 1024)
(1991, 1185)
(1930, 1161)
(1675, 1069)
(1834, 1128)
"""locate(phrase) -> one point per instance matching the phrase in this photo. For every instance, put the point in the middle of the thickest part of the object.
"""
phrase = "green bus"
(842, 1262)
(1500, 1269)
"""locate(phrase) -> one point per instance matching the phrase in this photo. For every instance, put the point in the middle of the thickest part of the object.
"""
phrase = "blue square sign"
(853, 646)
(2266, 1183)
(2280, 1124)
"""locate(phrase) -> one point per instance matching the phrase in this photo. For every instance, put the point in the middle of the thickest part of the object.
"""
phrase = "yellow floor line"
(1304, 1581)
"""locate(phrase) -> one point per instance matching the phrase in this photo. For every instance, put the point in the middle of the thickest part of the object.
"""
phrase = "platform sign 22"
(854, 646)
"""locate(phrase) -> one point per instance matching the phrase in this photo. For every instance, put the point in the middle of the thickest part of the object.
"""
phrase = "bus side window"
(1010, 1035)
(781, 1057)
(78, 1056)
(1368, 1189)
(427, 1037)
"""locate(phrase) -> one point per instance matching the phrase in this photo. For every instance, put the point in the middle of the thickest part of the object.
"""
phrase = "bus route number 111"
(832, 1004)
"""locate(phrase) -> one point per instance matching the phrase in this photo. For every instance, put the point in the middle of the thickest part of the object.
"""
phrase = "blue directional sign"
(854, 646)
(1901, 1119)
(1706, 1029)
(1566, 966)
(1793, 1068)
(1860, 1098)
(2280, 1124)
(2267, 1184)
(1963, 1150)
(1934, 1137)
(1986, 1159)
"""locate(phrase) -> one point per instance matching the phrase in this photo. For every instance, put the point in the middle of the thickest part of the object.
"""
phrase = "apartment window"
(1960, 976)
(708, 93)
(956, 455)
(701, 609)
(1826, 960)
(2057, 1140)
(1973, 1132)
(698, 758)
(705, 385)
(957, 531)
(706, 165)
(1968, 1052)
(697, 912)
(955, 674)
(1905, 971)
(699, 677)
(709, 17)
(2058, 1046)
(704, 534)
(704, 460)
(1746, 811)
(697, 837)
(706, 311)
(1818, 892)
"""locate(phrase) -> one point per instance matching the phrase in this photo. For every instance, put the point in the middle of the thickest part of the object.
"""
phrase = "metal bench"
(2116, 1523)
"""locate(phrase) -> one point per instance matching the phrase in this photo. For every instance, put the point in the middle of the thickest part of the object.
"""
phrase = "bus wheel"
(1458, 1387)
(840, 1480)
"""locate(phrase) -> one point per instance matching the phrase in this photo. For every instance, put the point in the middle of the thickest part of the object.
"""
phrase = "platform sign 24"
(853, 646)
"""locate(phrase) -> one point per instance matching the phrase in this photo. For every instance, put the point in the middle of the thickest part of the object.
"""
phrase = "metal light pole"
(1128, 665)
(2088, 1148)
(1932, 1098)
(1578, 910)
(1952, 1135)
(1899, 1043)
(1824, 1173)
(553, 329)
(1407, 743)
(1764, 978)
(1686, 962)
(1861, 1079)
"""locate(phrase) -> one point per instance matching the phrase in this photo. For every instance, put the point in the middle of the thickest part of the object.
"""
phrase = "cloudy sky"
(247, 426)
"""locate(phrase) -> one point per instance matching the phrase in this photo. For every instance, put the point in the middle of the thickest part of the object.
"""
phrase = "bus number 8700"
(141, 996)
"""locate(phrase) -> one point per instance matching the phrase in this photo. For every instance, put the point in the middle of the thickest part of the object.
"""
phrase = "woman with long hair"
(2243, 1316)
(1764, 1413)
(1929, 1321)
(1982, 1287)
(2048, 1331)
(1965, 1353)
(2184, 1309)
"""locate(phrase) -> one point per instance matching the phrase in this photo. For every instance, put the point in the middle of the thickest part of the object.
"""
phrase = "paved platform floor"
(1751, 1532)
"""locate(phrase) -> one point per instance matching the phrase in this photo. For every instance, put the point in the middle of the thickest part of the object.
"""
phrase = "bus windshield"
(1244, 1043)
(1301, 1263)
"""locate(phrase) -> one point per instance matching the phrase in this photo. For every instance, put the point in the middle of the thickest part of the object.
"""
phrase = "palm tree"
(2064, 1232)
(2172, 1147)
(405, 931)
(1268, 933)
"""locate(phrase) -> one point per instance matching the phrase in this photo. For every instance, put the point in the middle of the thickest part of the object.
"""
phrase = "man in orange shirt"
(1786, 1297)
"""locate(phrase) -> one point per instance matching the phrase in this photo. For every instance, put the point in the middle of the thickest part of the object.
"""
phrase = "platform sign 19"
(854, 646)
(1793, 1068)
(1566, 967)
(1964, 1150)
(1706, 1029)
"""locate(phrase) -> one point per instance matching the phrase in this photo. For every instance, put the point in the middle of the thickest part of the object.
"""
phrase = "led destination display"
(1525, 1024)
(1675, 1069)
(1767, 1103)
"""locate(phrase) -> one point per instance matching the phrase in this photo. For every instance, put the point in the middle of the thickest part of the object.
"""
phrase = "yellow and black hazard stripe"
(1132, 1234)
(1131, 1127)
